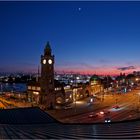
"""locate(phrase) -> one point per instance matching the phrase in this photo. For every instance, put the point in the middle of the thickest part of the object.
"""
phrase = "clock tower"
(47, 96)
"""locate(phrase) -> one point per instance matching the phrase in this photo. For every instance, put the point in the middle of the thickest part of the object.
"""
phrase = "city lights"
(101, 112)
(36, 93)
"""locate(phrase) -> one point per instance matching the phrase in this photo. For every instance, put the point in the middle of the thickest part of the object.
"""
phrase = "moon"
(79, 9)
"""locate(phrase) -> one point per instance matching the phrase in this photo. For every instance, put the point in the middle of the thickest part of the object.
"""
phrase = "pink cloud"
(102, 70)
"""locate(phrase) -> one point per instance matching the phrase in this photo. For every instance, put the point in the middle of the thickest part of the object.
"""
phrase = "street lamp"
(74, 97)
(1, 87)
(74, 91)
(137, 79)
(76, 78)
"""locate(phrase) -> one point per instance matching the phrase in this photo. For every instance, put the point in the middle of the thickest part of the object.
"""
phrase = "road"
(6, 104)
(129, 104)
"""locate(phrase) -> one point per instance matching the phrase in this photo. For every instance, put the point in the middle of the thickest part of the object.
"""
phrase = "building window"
(35, 92)
(38, 88)
(33, 88)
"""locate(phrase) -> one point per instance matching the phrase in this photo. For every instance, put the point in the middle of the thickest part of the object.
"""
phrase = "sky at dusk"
(86, 37)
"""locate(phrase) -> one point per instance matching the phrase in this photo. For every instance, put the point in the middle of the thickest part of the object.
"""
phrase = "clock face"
(44, 61)
(50, 61)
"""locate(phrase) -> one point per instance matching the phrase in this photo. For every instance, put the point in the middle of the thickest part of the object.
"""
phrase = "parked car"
(116, 106)
(67, 107)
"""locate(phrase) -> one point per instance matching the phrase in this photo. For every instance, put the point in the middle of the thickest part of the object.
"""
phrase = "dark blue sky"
(100, 37)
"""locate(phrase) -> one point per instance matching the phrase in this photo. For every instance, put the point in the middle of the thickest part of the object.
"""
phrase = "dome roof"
(95, 78)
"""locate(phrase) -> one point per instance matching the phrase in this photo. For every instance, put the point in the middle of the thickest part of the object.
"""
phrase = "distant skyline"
(86, 37)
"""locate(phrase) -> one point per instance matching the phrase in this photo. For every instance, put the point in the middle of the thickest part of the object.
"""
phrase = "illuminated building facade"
(95, 85)
(47, 91)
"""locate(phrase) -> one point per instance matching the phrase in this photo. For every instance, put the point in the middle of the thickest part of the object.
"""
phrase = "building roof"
(34, 83)
(24, 116)
(95, 78)
(33, 123)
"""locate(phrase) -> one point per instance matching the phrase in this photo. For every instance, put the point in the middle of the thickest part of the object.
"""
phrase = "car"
(101, 112)
(116, 106)
(67, 107)
(58, 107)
(93, 115)
(91, 100)
(107, 120)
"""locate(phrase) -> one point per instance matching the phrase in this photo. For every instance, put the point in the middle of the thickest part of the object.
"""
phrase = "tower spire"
(47, 77)
(47, 50)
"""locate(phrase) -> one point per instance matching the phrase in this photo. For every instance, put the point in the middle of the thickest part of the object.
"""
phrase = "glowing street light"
(91, 100)
(77, 78)
(101, 112)
(137, 79)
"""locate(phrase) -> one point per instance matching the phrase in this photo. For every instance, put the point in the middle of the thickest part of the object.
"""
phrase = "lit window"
(33, 88)
(35, 92)
(38, 88)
